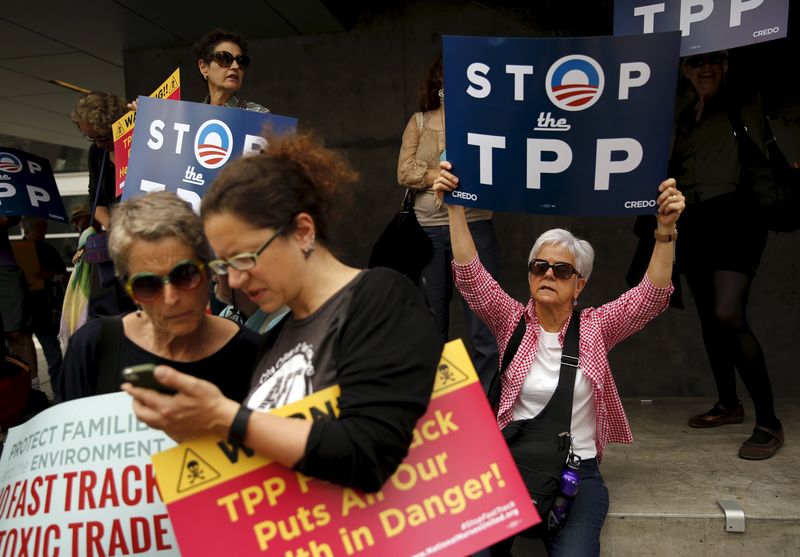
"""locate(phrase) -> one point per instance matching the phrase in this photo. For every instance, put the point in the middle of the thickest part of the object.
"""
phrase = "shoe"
(753, 450)
(718, 415)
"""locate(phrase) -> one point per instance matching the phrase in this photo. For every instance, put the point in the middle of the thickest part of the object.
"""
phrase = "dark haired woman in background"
(223, 61)
(417, 168)
(367, 331)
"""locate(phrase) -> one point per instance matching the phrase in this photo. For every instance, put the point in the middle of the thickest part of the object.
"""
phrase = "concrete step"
(664, 488)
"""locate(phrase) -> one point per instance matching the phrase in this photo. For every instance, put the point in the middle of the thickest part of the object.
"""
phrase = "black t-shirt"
(384, 357)
(301, 360)
(230, 368)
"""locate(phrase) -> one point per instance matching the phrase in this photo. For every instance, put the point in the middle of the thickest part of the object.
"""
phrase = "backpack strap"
(110, 363)
(495, 386)
(568, 362)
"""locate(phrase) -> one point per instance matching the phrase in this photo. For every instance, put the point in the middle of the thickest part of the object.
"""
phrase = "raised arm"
(670, 206)
(463, 246)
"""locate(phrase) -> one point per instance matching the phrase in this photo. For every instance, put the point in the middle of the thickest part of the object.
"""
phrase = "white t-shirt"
(541, 383)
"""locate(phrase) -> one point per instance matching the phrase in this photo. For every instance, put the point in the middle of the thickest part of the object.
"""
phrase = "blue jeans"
(436, 281)
(580, 535)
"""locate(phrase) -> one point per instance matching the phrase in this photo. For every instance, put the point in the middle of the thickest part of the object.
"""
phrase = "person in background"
(223, 61)
(417, 168)
(559, 266)
(94, 114)
(720, 261)
(14, 311)
(46, 292)
(367, 331)
(240, 309)
(161, 254)
(80, 217)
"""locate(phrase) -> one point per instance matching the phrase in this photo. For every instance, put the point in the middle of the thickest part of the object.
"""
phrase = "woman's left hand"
(671, 204)
(199, 408)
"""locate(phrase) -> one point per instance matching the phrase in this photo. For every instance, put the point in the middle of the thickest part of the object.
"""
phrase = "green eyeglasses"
(185, 275)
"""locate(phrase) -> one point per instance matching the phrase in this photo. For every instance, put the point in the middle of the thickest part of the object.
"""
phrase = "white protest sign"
(76, 480)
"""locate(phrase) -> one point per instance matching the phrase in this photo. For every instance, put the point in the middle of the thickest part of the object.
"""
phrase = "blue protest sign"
(560, 126)
(27, 186)
(180, 146)
(705, 25)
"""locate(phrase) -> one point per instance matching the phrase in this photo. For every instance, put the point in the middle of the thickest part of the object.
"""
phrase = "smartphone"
(142, 376)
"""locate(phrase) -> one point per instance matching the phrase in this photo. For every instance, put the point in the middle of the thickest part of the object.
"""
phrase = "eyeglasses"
(93, 139)
(702, 59)
(186, 275)
(561, 269)
(243, 261)
(226, 59)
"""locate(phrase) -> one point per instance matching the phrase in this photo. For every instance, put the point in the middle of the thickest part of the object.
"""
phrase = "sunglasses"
(700, 61)
(561, 270)
(186, 275)
(226, 59)
(242, 261)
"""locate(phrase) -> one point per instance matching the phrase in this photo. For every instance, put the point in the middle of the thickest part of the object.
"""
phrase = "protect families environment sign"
(560, 126)
(76, 480)
(457, 491)
(180, 146)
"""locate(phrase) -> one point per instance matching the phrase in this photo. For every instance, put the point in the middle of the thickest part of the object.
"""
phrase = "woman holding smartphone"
(160, 254)
(368, 331)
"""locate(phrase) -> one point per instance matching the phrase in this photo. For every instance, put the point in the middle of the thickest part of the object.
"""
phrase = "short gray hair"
(153, 217)
(581, 250)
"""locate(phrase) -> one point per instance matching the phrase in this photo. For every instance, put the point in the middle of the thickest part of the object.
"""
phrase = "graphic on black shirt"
(286, 381)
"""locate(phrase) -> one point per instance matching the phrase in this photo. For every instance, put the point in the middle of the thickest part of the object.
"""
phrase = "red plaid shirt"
(600, 330)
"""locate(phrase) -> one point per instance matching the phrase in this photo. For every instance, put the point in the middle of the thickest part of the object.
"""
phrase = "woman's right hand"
(133, 105)
(447, 181)
(199, 408)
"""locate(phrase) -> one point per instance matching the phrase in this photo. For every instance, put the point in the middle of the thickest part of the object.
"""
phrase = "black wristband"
(238, 429)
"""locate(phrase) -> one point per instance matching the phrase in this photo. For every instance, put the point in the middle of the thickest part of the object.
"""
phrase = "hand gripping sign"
(457, 491)
(123, 128)
(705, 25)
(180, 146)
(560, 126)
(28, 187)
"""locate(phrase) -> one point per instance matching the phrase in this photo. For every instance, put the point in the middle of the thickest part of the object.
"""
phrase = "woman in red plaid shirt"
(558, 267)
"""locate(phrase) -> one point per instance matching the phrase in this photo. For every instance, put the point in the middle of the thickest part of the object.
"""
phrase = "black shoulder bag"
(541, 445)
(403, 245)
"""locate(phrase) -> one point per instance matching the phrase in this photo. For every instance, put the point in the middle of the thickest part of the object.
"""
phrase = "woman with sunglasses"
(368, 331)
(160, 253)
(559, 266)
(222, 59)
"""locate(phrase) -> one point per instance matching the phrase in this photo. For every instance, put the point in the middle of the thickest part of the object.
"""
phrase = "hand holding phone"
(142, 376)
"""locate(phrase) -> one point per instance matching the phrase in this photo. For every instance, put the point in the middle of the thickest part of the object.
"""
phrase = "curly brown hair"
(100, 110)
(430, 86)
(296, 174)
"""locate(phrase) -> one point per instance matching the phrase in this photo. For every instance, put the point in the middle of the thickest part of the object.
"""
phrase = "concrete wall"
(357, 89)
